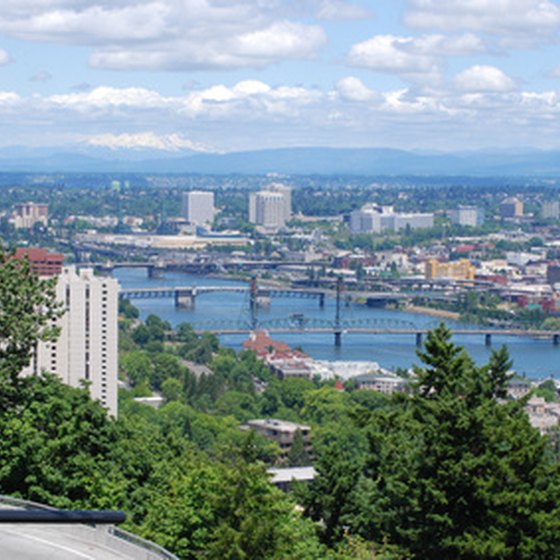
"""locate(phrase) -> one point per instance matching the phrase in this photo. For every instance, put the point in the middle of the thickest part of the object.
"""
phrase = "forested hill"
(299, 160)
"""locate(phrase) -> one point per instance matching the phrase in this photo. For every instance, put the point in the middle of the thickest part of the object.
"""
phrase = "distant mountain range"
(292, 161)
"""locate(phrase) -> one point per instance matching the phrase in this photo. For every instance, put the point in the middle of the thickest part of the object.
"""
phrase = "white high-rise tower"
(87, 348)
(198, 207)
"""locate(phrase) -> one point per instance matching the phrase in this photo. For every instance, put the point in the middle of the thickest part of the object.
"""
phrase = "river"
(534, 358)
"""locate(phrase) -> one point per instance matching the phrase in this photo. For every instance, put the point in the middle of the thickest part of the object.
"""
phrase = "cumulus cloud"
(107, 97)
(538, 19)
(337, 10)
(177, 34)
(482, 78)
(144, 140)
(483, 108)
(412, 56)
(353, 89)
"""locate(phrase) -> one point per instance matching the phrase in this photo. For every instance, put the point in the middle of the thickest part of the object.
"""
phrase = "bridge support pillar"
(338, 338)
(155, 272)
(556, 339)
(418, 339)
(184, 300)
(488, 339)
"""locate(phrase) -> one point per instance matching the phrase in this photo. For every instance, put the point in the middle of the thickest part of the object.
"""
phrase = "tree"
(297, 456)
(454, 473)
(28, 313)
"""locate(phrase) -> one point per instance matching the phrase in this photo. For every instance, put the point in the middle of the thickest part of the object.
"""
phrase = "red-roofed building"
(42, 262)
(278, 356)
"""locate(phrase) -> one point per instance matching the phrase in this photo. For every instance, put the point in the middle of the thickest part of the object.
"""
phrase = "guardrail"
(90, 526)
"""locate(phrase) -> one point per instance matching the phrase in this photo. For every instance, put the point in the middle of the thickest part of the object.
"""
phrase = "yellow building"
(456, 270)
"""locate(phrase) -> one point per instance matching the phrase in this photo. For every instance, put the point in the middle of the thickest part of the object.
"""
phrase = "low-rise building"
(386, 383)
(545, 416)
(372, 218)
(462, 269)
(41, 261)
(283, 433)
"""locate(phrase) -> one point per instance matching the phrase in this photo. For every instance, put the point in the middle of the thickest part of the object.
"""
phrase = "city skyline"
(215, 76)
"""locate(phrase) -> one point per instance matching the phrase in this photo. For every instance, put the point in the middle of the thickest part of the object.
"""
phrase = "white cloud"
(388, 53)
(177, 34)
(353, 89)
(9, 99)
(4, 57)
(107, 97)
(481, 78)
(337, 10)
(418, 58)
(483, 109)
(537, 19)
(143, 140)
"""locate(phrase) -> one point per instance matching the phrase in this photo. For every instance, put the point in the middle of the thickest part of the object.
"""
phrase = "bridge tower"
(337, 322)
(253, 302)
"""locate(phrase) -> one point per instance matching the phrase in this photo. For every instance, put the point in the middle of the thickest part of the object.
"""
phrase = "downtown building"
(271, 208)
(372, 218)
(87, 348)
(27, 214)
(466, 216)
(198, 207)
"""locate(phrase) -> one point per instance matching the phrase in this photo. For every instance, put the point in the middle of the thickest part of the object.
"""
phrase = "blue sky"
(228, 75)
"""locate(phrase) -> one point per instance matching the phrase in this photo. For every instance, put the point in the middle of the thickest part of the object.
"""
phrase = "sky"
(234, 75)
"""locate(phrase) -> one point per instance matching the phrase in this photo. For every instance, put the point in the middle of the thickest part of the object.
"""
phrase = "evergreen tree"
(456, 474)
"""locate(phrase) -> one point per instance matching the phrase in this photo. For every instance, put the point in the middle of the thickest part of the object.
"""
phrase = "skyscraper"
(271, 208)
(86, 349)
(198, 207)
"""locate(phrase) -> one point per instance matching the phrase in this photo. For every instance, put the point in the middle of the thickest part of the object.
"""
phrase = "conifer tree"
(456, 473)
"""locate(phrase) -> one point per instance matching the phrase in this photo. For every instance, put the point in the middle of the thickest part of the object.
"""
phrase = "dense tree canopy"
(454, 473)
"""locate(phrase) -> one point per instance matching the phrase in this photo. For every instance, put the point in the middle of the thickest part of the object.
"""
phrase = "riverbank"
(440, 313)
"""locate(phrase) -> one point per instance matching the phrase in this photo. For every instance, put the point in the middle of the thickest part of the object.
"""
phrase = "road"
(50, 542)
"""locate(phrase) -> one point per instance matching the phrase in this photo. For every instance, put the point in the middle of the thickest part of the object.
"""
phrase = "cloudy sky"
(228, 75)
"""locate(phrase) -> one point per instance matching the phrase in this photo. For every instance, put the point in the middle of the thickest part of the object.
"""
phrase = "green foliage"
(455, 474)
(54, 443)
(28, 310)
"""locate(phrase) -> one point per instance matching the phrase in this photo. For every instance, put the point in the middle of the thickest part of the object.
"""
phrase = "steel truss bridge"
(298, 323)
(185, 296)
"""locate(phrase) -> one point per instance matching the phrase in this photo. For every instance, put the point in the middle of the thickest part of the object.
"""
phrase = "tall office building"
(87, 346)
(467, 216)
(268, 210)
(271, 208)
(550, 210)
(511, 208)
(27, 214)
(198, 207)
